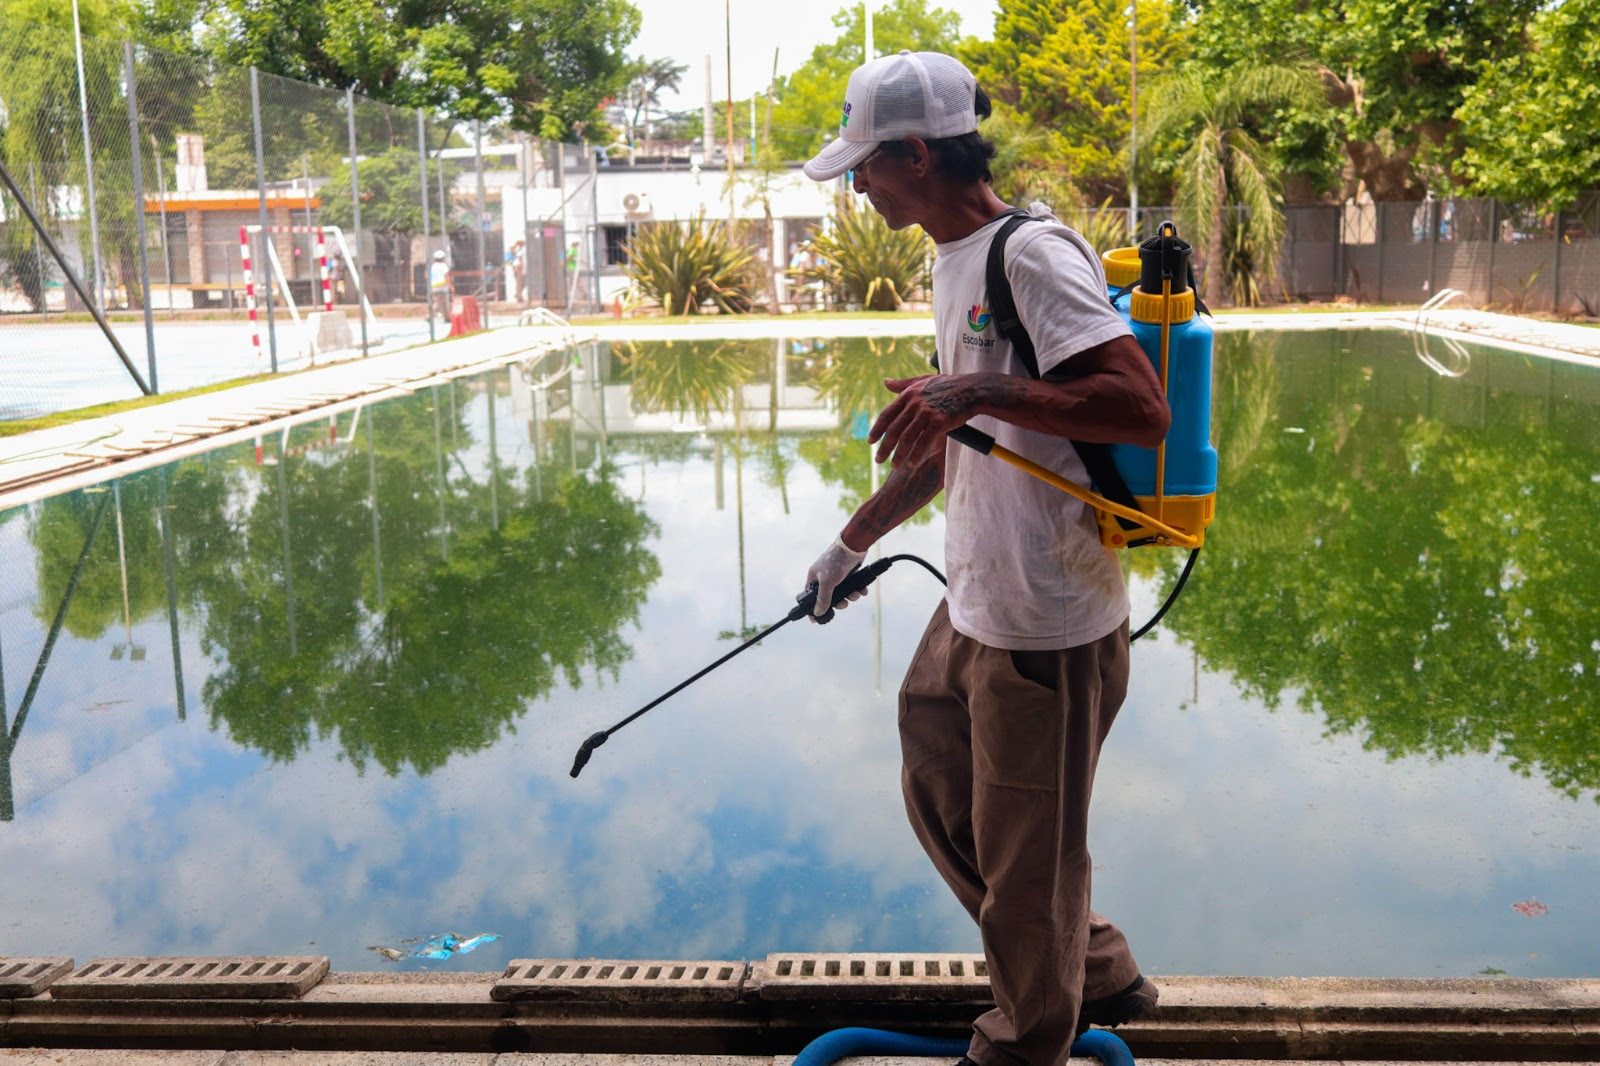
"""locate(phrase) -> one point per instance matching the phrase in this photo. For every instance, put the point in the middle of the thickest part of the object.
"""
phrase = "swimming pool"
(324, 697)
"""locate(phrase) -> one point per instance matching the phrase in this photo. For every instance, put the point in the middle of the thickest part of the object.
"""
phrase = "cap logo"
(844, 119)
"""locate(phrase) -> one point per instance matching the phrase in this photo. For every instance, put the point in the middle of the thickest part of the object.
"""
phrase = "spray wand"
(856, 581)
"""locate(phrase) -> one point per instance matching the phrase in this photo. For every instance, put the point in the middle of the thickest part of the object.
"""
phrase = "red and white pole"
(322, 269)
(249, 286)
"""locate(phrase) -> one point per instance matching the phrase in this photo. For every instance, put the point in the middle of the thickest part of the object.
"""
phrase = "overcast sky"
(687, 30)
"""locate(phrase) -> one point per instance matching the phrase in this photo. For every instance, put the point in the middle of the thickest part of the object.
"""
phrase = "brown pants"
(999, 751)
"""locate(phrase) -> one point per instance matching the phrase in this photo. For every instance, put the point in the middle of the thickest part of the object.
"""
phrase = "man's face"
(888, 179)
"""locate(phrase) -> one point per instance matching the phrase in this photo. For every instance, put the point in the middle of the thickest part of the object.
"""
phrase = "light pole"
(1133, 121)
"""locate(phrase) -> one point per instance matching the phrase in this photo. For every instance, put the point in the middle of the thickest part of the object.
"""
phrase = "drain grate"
(946, 978)
(621, 981)
(255, 977)
(20, 978)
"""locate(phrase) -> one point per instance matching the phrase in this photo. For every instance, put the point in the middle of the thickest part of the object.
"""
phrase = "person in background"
(439, 286)
(1024, 665)
(519, 269)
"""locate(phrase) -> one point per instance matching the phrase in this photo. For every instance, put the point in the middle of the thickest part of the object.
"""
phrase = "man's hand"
(915, 421)
(913, 426)
(832, 567)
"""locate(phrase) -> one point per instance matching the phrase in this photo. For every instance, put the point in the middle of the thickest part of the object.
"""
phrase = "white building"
(575, 200)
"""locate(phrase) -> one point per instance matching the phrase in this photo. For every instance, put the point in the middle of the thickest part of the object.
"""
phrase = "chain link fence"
(167, 222)
(1499, 256)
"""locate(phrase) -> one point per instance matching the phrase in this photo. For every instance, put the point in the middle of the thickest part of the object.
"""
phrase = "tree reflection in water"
(1405, 553)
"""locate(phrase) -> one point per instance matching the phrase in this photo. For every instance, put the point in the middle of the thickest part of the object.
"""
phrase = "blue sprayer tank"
(1176, 483)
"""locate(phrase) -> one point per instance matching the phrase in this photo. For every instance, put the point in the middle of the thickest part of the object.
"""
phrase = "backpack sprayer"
(1164, 495)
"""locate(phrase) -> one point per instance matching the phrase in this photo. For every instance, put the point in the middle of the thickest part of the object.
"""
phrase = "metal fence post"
(1338, 249)
(261, 207)
(444, 227)
(138, 213)
(1378, 219)
(427, 264)
(1433, 247)
(1555, 282)
(524, 164)
(99, 276)
(483, 223)
(1293, 217)
(166, 238)
(1494, 238)
(355, 216)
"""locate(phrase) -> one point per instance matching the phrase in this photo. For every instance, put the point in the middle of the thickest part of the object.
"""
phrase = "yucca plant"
(684, 266)
(862, 259)
(1104, 227)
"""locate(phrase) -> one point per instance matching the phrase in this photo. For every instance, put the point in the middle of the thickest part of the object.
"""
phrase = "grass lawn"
(64, 418)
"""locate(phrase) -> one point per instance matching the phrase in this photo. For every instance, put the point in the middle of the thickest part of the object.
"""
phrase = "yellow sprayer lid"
(1148, 307)
(1122, 266)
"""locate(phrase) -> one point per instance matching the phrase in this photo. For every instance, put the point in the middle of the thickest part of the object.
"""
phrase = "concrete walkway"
(569, 1015)
(81, 1057)
(50, 461)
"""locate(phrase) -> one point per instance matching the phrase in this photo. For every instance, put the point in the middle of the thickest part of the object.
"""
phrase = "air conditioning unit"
(636, 204)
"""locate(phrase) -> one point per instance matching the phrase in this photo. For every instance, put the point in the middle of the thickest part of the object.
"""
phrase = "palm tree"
(1225, 165)
(647, 80)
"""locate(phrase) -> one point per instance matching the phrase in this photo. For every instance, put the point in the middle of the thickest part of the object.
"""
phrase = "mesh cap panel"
(898, 103)
(949, 91)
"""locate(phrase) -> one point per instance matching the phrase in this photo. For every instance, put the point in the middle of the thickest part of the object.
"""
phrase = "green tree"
(1224, 164)
(1063, 67)
(390, 203)
(647, 79)
(807, 113)
(545, 64)
(42, 136)
(1529, 120)
(1396, 73)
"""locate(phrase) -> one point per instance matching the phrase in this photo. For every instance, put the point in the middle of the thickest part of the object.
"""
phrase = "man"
(439, 285)
(519, 269)
(1025, 663)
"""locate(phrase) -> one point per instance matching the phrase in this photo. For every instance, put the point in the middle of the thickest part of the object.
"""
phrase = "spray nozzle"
(1164, 257)
(594, 741)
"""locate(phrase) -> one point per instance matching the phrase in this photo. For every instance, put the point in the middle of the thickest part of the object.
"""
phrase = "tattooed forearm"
(906, 491)
(959, 394)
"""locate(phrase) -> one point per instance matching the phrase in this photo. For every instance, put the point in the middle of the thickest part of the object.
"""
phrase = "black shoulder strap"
(1001, 303)
(1096, 457)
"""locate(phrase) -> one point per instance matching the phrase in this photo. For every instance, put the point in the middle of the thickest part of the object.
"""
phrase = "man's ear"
(921, 158)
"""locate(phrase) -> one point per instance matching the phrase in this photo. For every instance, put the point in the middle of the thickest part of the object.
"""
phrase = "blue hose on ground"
(843, 1043)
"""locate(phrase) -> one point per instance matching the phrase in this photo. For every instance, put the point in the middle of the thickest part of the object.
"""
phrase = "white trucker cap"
(912, 94)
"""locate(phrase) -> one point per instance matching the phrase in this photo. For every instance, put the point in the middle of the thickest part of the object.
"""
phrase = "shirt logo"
(844, 119)
(978, 317)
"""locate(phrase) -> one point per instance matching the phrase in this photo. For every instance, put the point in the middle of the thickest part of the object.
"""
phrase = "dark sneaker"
(1135, 1001)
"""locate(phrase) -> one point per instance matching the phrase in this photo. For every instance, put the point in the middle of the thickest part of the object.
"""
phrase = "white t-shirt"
(1026, 568)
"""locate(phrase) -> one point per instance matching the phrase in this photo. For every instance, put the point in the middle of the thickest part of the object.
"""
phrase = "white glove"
(832, 567)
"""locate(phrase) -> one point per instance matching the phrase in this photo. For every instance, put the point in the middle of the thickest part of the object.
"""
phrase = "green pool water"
(325, 698)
